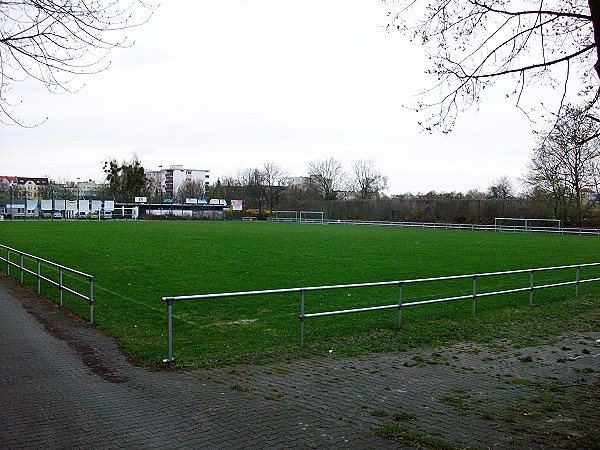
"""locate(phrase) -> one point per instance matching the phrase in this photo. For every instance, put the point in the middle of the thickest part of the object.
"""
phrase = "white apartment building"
(168, 181)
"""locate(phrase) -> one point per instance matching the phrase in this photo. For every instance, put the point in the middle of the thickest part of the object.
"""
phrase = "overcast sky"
(229, 85)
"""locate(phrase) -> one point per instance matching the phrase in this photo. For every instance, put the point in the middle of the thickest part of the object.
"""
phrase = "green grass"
(414, 439)
(402, 415)
(136, 263)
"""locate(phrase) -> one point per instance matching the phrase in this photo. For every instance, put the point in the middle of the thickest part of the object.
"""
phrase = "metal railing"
(40, 262)
(450, 226)
(473, 295)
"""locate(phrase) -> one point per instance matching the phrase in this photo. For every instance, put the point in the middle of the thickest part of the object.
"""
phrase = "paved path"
(63, 384)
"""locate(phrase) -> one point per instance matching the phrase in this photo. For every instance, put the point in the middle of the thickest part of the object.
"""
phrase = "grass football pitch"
(134, 264)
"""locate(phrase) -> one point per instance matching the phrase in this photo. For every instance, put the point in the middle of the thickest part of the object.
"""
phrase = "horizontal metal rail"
(473, 295)
(451, 226)
(443, 300)
(40, 262)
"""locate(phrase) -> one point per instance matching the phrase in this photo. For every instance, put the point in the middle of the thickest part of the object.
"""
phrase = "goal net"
(517, 223)
(311, 217)
(286, 216)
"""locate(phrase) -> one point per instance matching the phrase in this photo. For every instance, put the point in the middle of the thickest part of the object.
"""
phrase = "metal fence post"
(474, 301)
(60, 286)
(21, 267)
(531, 288)
(170, 332)
(91, 300)
(400, 304)
(7, 262)
(39, 280)
(301, 317)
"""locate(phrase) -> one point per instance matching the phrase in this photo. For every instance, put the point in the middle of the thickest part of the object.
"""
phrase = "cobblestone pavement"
(63, 384)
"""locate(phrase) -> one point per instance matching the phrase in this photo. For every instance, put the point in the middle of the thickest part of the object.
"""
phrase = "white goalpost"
(312, 217)
(519, 223)
(300, 216)
(286, 216)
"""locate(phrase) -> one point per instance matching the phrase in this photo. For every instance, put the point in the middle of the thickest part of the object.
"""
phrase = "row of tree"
(269, 186)
(562, 181)
(261, 187)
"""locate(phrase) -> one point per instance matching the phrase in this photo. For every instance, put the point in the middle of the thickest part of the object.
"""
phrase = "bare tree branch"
(473, 43)
(54, 41)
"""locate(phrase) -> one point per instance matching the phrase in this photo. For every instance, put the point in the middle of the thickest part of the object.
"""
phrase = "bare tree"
(474, 194)
(472, 43)
(274, 182)
(501, 189)
(52, 41)
(368, 182)
(327, 178)
(190, 189)
(566, 165)
(252, 181)
(227, 187)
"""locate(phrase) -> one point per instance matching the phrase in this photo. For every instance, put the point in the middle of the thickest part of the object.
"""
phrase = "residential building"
(90, 188)
(156, 181)
(168, 181)
(24, 188)
(32, 188)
